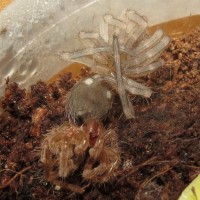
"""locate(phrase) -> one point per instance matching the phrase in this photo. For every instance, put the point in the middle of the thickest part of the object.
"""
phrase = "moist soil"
(160, 149)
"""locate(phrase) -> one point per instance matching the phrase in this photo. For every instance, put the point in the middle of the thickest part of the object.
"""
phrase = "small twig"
(3, 170)
(190, 166)
(14, 177)
(148, 162)
(151, 161)
(145, 183)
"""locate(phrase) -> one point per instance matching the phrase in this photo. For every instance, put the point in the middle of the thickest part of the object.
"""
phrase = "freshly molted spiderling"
(121, 51)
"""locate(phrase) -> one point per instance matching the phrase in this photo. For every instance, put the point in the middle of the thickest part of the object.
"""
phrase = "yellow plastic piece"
(4, 3)
(192, 191)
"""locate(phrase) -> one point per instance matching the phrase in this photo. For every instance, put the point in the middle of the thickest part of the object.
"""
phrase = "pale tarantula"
(65, 149)
(124, 43)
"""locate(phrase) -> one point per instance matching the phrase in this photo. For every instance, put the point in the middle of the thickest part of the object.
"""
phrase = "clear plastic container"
(33, 33)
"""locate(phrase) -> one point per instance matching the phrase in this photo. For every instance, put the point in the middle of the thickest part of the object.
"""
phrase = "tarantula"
(66, 148)
(121, 51)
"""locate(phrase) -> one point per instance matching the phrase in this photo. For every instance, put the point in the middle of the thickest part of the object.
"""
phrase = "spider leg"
(89, 35)
(104, 30)
(144, 70)
(89, 62)
(118, 27)
(94, 153)
(126, 104)
(136, 88)
(101, 70)
(151, 55)
(94, 39)
(89, 39)
(135, 32)
(109, 161)
(53, 178)
(144, 45)
(51, 139)
(131, 86)
(44, 152)
(66, 164)
(114, 22)
(135, 17)
(108, 158)
(81, 143)
(100, 58)
(135, 35)
(84, 52)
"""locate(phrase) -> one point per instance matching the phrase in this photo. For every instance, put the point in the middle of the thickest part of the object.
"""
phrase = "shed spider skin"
(65, 148)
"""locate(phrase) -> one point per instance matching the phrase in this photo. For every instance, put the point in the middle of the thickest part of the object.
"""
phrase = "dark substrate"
(160, 149)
